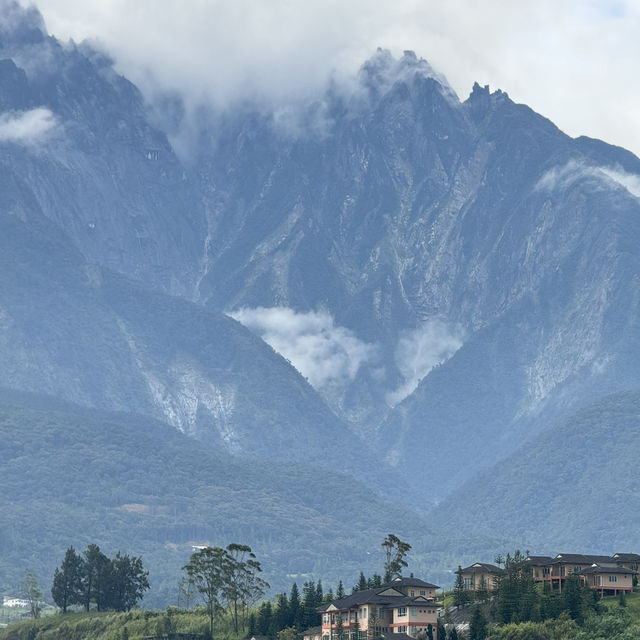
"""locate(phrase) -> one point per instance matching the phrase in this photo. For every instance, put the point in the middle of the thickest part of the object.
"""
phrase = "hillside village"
(409, 608)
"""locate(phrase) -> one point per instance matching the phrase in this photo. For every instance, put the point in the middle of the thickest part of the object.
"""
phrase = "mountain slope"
(73, 476)
(80, 332)
(575, 486)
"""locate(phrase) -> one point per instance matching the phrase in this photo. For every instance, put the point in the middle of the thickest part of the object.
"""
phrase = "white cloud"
(27, 127)
(574, 61)
(630, 181)
(321, 351)
(419, 351)
(565, 175)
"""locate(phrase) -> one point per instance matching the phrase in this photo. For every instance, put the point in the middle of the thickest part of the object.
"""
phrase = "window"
(414, 611)
(413, 593)
(545, 571)
(414, 630)
(402, 611)
(468, 583)
(402, 629)
(613, 578)
(363, 612)
(381, 614)
(576, 569)
(352, 616)
(423, 592)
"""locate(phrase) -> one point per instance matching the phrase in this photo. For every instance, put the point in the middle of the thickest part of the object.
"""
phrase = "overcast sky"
(574, 61)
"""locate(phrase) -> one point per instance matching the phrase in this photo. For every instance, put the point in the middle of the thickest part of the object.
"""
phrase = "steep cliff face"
(80, 136)
(475, 236)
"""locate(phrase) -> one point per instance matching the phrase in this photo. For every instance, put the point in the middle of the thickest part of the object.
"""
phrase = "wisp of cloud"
(27, 127)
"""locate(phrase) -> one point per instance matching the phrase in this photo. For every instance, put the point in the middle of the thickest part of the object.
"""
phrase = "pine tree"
(339, 628)
(482, 594)
(295, 608)
(309, 605)
(460, 596)
(477, 625)
(281, 615)
(340, 590)
(67, 581)
(265, 614)
(362, 583)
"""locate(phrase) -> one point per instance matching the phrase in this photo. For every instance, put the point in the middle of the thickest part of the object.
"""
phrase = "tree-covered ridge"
(76, 477)
(539, 494)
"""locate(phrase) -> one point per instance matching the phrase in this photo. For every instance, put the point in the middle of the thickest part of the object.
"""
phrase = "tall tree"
(265, 613)
(67, 581)
(340, 590)
(517, 599)
(129, 581)
(395, 552)
(460, 595)
(206, 569)
(95, 578)
(32, 593)
(309, 605)
(281, 614)
(242, 585)
(295, 608)
(339, 633)
(482, 594)
(477, 625)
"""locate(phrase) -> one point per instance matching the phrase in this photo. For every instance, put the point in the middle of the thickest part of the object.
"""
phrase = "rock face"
(83, 143)
(450, 277)
(472, 235)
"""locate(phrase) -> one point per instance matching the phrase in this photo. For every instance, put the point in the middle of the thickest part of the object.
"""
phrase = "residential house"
(405, 606)
(609, 574)
(481, 575)
(609, 580)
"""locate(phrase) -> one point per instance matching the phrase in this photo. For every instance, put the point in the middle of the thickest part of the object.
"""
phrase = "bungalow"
(405, 606)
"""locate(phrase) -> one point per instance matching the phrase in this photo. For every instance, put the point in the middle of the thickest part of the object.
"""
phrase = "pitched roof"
(578, 558)
(388, 595)
(626, 557)
(539, 561)
(370, 596)
(606, 569)
(411, 582)
(482, 567)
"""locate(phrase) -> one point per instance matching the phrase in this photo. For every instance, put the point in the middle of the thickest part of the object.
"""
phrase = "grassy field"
(109, 625)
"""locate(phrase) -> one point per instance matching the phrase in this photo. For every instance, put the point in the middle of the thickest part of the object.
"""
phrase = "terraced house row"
(608, 574)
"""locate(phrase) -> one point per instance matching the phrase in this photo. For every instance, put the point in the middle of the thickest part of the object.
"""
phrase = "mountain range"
(389, 290)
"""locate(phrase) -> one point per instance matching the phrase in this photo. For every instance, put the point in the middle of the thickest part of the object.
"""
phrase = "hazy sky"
(574, 61)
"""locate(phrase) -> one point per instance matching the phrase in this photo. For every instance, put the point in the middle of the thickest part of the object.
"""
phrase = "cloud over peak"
(29, 128)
